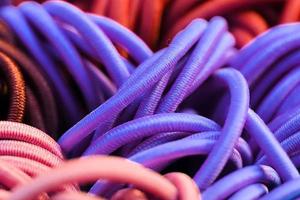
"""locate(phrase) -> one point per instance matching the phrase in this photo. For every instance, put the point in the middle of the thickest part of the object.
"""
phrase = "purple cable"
(195, 63)
(160, 156)
(283, 126)
(276, 96)
(288, 190)
(231, 130)
(296, 159)
(147, 63)
(5, 3)
(280, 68)
(132, 88)
(147, 126)
(277, 49)
(17, 22)
(250, 192)
(270, 146)
(290, 145)
(290, 127)
(217, 60)
(164, 154)
(107, 88)
(281, 119)
(250, 51)
(291, 102)
(84, 48)
(240, 179)
(44, 23)
(152, 98)
(241, 146)
(262, 61)
(101, 45)
(136, 47)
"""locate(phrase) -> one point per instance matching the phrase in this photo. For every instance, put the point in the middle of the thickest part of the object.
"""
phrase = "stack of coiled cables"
(168, 101)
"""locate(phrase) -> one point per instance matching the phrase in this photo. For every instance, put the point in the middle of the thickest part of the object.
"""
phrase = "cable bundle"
(199, 106)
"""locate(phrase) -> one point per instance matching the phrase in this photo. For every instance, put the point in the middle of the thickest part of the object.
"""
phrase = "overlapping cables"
(226, 117)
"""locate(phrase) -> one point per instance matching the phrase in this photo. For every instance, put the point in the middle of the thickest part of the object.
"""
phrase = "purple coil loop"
(236, 111)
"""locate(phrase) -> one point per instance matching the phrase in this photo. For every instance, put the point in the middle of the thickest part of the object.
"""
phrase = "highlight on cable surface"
(146, 100)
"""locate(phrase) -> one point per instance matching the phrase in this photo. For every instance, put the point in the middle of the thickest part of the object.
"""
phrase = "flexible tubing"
(98, 167)
(124, 97)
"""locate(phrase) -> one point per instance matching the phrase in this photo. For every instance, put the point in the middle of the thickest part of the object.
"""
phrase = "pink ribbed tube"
(98, 167)
(25, 153)
(28, 134)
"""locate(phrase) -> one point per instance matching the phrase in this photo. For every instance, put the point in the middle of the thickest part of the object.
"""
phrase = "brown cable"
(16, 88)
(33, 111)
(39, 85)
(5, 33)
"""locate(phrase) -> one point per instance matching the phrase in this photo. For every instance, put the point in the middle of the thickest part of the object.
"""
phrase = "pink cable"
(98, 167)
(26, 133)
(4, 194)
(30, 151)
(11, 176)
(129, 194)
(30, 167)
(75, 196)
(186, 187)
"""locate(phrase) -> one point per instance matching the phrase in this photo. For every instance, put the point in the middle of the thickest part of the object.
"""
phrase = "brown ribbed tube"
(5, 32)
(33, 111)
(16, 88)
(38, 83)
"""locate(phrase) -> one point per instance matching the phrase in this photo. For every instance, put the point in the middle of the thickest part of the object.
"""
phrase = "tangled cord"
(229, 118)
